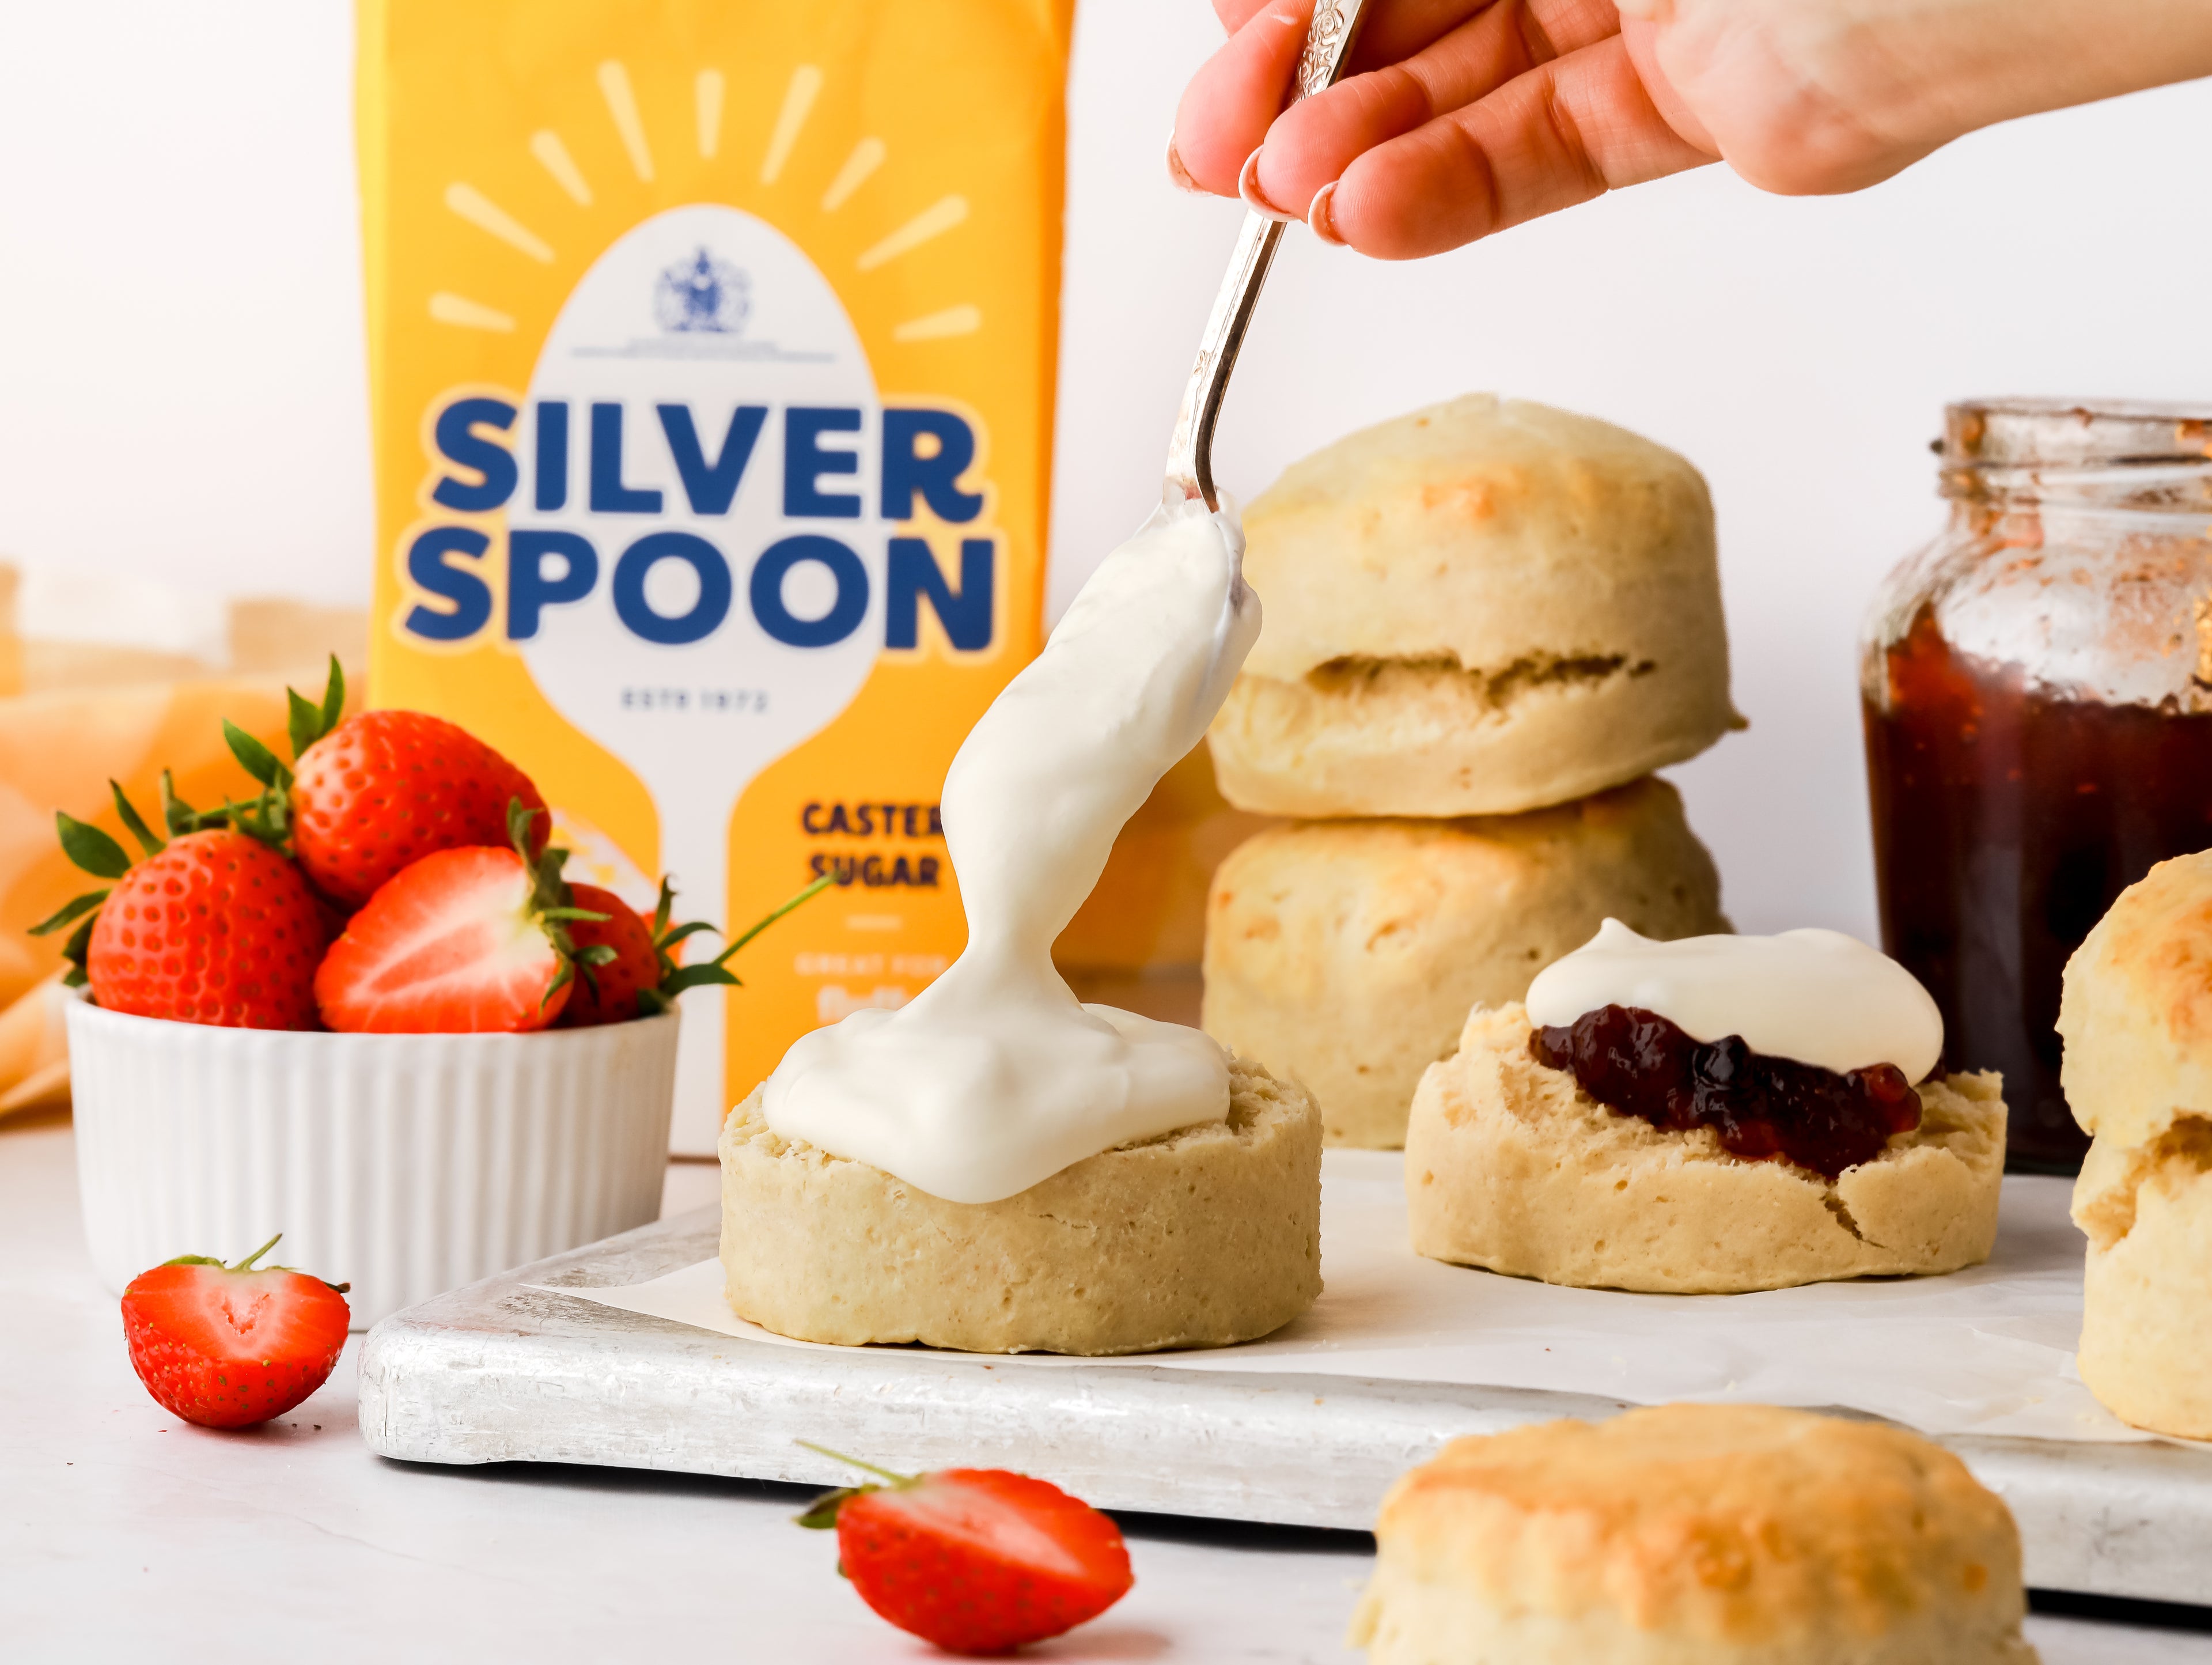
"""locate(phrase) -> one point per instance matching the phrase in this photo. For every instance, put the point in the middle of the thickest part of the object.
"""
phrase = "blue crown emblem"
(701, 294)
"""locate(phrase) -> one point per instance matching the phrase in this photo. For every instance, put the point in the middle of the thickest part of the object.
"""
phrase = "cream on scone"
(1788, 1128)
(1483, 607)
(1346, 953)
(2136, 1020)
(1694, 1535)
(1201, 1238)
(996, 1166)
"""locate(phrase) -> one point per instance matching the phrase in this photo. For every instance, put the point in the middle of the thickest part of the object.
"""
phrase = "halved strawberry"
(465, 941)
(227, 1347)
(382, 790)
(976, 1560)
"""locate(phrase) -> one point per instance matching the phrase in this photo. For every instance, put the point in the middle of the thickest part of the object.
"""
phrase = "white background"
(182, 389)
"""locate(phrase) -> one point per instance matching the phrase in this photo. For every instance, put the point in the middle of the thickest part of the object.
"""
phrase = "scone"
(1482, 608)
(1346, 953)
(1694, 1535)
(1511, 1165)
(1146, 915)
(1203, 1237)
(2136, 1020)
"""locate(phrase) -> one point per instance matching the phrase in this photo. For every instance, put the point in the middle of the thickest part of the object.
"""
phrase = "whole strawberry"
(382, 790)
(618, 960)
(216, 929)
(227, 1347)
(466, 941)
(627, 965)
(213, 927)
(976, 1560)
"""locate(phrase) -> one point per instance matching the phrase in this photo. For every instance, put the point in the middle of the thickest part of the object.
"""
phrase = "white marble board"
(510, 1370)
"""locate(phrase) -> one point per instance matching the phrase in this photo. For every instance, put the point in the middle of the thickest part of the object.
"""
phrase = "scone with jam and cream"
(1708, 1115)
(997, 1167)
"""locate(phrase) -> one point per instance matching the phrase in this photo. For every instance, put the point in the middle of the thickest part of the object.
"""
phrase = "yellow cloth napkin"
(34, 1050)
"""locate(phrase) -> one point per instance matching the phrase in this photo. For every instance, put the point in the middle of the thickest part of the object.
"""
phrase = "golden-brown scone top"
(1480, 608)
(2136, 1011)
(1725, 1526)
(1474, 528)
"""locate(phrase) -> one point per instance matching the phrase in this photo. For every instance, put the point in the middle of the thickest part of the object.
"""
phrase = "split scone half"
(1511, 1165)
(1202, 1237)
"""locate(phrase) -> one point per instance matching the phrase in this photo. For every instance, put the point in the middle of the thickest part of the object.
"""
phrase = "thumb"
(1641, 22)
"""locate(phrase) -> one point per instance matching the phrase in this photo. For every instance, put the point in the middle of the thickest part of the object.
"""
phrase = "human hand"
(1460, 118)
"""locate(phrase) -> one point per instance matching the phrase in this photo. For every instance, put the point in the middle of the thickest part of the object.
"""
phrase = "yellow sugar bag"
(712, 352)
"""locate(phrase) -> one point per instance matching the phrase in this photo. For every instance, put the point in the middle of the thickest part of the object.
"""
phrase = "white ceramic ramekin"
(407, 1164)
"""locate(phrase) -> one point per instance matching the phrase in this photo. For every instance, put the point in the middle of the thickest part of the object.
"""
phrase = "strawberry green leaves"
(268, 817)
(103, 858)
(676, 979)
(149, 841)
(550, 900)
(309, 722)
(821, 1514)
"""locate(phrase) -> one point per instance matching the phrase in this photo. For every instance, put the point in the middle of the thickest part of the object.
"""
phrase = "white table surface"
(125, 1533)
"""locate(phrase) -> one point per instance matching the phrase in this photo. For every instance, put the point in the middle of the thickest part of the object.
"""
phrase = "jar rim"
(2141, 453)
(2025, 432)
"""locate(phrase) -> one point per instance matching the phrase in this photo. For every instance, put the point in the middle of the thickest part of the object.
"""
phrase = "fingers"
(1560, 134)
(1315, 139)
(1235, 14)
(1230, 102)
(1393, 29)
(1227, 108)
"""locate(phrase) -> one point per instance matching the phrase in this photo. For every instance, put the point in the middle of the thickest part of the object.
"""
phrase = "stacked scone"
(2137, 1019)
(1486, 623)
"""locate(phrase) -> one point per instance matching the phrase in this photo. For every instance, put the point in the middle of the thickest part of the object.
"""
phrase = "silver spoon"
(1190, 452)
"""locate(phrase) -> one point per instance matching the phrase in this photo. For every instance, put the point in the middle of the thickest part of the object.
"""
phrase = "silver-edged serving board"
(503, 1371)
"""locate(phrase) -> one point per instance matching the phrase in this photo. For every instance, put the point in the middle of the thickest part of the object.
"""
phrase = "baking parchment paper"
(1986, 1351)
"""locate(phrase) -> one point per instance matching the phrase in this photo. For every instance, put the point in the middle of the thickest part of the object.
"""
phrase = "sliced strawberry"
(214, 928)
(610, 983)
(463, 941)
(384, 789)
(227, 1347)
(976, 1560)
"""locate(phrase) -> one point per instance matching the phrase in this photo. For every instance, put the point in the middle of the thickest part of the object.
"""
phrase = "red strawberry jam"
(1636, 1063)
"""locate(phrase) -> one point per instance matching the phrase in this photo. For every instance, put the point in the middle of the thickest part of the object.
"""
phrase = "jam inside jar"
(2037, 689)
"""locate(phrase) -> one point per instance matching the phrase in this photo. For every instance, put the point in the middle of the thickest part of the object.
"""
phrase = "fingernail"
(1248, 187)
(1177, 172)
(1318, 219)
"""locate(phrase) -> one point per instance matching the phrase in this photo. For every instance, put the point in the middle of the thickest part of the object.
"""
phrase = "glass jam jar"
(2037, 688)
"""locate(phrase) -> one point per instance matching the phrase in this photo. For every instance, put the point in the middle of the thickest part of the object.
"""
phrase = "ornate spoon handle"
(1190, 452)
